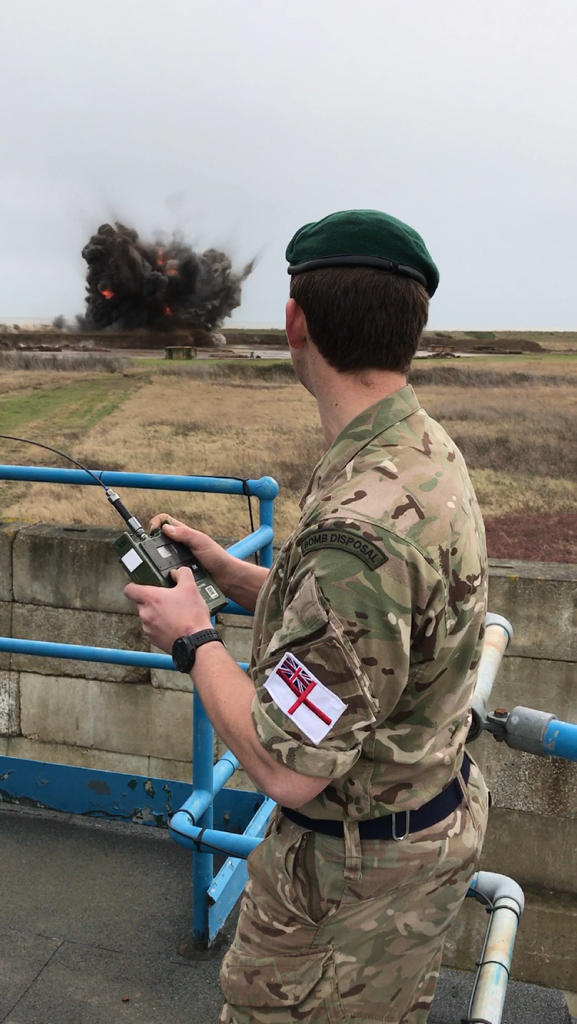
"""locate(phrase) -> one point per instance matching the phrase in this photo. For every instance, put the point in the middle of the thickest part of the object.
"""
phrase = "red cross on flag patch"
(310, 704)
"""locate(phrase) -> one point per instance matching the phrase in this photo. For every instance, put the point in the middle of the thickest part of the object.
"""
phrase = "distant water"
(283, 353)
(269, 353)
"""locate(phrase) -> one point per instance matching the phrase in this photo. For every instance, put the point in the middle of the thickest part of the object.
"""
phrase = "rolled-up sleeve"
(313, 636)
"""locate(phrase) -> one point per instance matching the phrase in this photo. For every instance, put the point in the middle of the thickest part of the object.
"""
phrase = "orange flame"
(107, 292)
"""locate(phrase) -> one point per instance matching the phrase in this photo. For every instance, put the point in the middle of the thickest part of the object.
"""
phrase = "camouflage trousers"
(334, 930)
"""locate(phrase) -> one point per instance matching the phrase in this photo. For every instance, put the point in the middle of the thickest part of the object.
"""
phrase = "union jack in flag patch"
(306, 701)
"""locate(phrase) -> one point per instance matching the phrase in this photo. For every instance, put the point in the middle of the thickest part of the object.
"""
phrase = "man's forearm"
(226, 692)
(243, 582)
(227, 695)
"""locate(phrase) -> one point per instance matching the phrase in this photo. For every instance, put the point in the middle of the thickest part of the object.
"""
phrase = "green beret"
(362, 238)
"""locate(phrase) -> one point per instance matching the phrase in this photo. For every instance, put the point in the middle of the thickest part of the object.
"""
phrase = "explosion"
(132, 283)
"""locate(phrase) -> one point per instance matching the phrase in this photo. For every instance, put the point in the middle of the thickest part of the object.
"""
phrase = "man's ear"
(296, 325)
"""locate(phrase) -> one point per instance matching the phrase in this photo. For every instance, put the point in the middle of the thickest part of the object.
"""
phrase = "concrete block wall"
(65, 584)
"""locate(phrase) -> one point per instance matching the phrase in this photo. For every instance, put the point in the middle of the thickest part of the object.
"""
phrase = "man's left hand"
(169, 612)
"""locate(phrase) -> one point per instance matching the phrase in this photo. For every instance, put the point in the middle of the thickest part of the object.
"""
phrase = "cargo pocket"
(476, 797)
(305, 981)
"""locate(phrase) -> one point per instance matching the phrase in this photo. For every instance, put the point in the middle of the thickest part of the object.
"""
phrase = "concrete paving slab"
(123, 887)
(22, 959)
(86, 985)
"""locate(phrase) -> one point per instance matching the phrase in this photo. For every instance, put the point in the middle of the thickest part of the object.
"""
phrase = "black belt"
(396, 825)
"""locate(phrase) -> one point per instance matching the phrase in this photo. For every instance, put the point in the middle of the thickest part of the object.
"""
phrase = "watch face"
(183, 654)
(184, 647)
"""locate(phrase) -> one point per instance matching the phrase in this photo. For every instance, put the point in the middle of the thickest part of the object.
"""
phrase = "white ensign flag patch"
(310, 704)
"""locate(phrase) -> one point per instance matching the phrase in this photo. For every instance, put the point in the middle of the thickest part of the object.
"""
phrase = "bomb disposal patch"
(343, 540)
(303, 698)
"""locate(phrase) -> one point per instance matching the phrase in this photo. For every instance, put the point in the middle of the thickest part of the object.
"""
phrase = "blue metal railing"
(265, 488)
(213, 898)
(560, 740)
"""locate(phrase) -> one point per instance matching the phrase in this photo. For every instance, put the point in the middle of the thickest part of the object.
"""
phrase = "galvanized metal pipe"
(507, 901)
(537, 732)
(498, 636)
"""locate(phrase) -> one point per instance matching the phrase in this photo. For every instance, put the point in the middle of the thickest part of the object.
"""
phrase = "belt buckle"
(397, 838)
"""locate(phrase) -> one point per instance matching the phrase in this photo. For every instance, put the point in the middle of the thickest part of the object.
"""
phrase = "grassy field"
(513, 417)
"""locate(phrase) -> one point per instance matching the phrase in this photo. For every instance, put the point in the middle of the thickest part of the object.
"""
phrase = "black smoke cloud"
(131, 283)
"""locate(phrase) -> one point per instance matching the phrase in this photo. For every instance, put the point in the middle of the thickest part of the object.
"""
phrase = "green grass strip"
(81, 404)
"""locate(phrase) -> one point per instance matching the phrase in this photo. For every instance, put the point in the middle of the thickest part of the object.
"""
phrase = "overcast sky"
(239, 120)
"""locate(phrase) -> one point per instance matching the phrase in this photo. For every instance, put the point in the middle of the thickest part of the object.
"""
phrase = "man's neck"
(341, 397)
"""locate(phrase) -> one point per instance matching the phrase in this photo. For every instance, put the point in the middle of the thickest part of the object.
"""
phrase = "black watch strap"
(184, 648)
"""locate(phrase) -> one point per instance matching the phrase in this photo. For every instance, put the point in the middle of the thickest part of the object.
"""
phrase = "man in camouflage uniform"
(367, 634)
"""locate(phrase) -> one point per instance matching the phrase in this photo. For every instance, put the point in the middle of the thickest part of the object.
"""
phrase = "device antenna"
(130, 520)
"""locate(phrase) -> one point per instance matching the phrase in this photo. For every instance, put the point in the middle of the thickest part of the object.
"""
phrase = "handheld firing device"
(148, 558)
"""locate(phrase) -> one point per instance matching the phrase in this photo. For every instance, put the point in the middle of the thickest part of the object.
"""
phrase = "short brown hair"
(360, 318)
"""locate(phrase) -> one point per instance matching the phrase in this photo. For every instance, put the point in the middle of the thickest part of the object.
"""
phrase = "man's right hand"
(217, 562)
(240, 581)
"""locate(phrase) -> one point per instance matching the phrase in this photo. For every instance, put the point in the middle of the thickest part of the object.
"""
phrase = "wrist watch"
(184, 647)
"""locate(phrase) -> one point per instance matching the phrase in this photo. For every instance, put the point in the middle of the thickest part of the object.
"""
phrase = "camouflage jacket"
(380, 592)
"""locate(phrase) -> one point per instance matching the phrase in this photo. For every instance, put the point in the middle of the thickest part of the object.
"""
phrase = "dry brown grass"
(516, 428)
(518, 441)
(194, 428)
